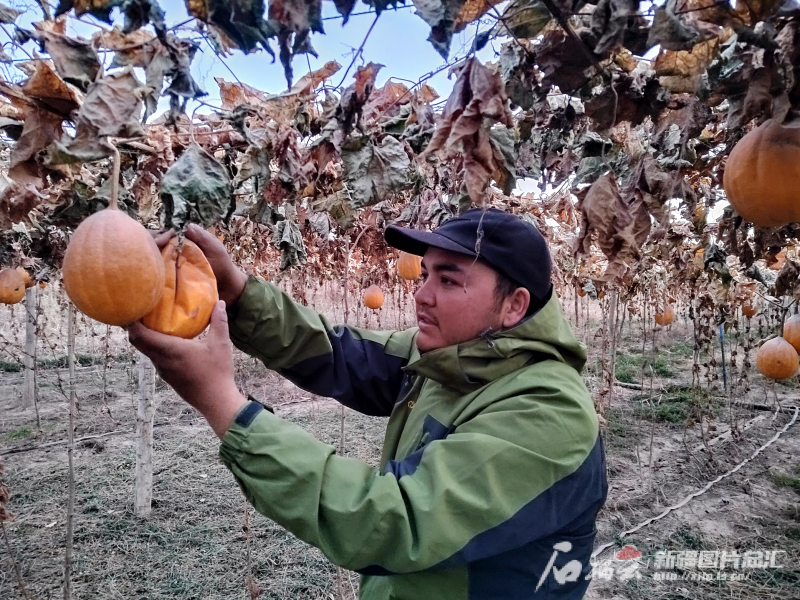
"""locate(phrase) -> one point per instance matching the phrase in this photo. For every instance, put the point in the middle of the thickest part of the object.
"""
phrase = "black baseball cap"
(509, 244)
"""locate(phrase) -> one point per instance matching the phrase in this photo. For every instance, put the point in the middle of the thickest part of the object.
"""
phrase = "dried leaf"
(522, 19)
(288, 238)
(48, 88)
(40, 128)
(621, 229)
(111, 108)
(9, 15)
(472, 10)
(294, 21)
(373, 171)
(686, 63)
(195, 189)
(241, 21)
(75, 59)
(441, 16)
(478, 99)
(16, 202)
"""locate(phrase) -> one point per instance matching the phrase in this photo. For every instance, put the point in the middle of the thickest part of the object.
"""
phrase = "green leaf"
(195, 189)
(374, 170)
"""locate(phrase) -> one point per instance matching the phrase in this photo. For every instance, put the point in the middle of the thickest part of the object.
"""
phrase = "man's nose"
(424, 295)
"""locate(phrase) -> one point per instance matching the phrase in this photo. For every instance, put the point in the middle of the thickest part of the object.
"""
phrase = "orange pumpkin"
(666, 316)
(190, 292)
(777, 359)
(29, 283)
(113, 270)
(750, 309)
(12, 286)
(600, 294)
(409, 266)
(373, 297)
(762, 175)
(581, 292)
(42, 285)
(791, 331)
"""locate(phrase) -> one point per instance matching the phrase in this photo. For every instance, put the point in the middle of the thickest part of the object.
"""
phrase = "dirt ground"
(194, 545)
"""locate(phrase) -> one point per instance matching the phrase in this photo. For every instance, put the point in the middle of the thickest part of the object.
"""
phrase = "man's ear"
(517, 304)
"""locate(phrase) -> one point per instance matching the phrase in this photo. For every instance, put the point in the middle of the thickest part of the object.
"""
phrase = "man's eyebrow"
(445, 268)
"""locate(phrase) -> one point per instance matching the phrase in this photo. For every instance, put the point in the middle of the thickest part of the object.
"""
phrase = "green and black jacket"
(492, 470)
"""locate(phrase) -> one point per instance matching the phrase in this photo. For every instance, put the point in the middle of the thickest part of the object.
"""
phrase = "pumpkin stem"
(113, 202)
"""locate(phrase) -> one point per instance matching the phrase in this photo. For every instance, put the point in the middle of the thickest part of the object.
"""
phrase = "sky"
(398, 41)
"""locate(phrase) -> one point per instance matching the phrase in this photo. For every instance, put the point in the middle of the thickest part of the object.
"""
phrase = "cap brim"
(417, 242)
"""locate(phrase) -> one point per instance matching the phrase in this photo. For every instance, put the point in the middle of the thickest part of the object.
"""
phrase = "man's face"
(456, 301)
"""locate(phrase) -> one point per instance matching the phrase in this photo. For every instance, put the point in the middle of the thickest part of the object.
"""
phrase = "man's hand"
(231, 281)
(200, 370)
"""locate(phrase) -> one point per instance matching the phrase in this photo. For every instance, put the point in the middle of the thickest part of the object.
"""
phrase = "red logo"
(628, 553)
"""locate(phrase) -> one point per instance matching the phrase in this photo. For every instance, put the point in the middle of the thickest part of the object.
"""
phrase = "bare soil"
(660, 440)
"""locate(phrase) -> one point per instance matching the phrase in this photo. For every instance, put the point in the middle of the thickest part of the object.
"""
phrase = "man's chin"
(426, 343)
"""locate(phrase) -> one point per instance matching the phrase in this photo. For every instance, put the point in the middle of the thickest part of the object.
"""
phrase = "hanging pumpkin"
(373, 297)
(409, 266)
(581, 292)
(42, 285)
(750, 309)
(29, 283)
(190, 292)
(665, 316)
(791, 331)
(113, 270)
(762, 175)
(12, 286)
(777, 359)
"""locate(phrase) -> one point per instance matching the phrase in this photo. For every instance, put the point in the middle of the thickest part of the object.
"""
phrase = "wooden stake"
(29, 357)
(70, 451)
(145, 411)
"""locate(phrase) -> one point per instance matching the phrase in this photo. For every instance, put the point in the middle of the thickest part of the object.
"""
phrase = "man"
(492, 471)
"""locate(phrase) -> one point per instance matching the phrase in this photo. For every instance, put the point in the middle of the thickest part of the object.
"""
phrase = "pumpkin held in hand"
(190, 292)
(777, 359)
(373, 297)
(12, 286)
(762, 175)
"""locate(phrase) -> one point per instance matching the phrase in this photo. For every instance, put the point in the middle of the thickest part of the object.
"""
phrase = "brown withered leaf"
(753, 11)
(477, 101)
(75, 59)
(351, 104)
(9, 15)
(471, 11)
(40, 128)
(295, 20)
(16, 202)
(787, 281)
(686, 63)
(112, 107)
(234, 94)
(49, 89)
(621, 228)
(118, 41)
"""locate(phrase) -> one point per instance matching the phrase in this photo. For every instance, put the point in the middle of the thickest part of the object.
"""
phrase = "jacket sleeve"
(476, 493)
(359, 368)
